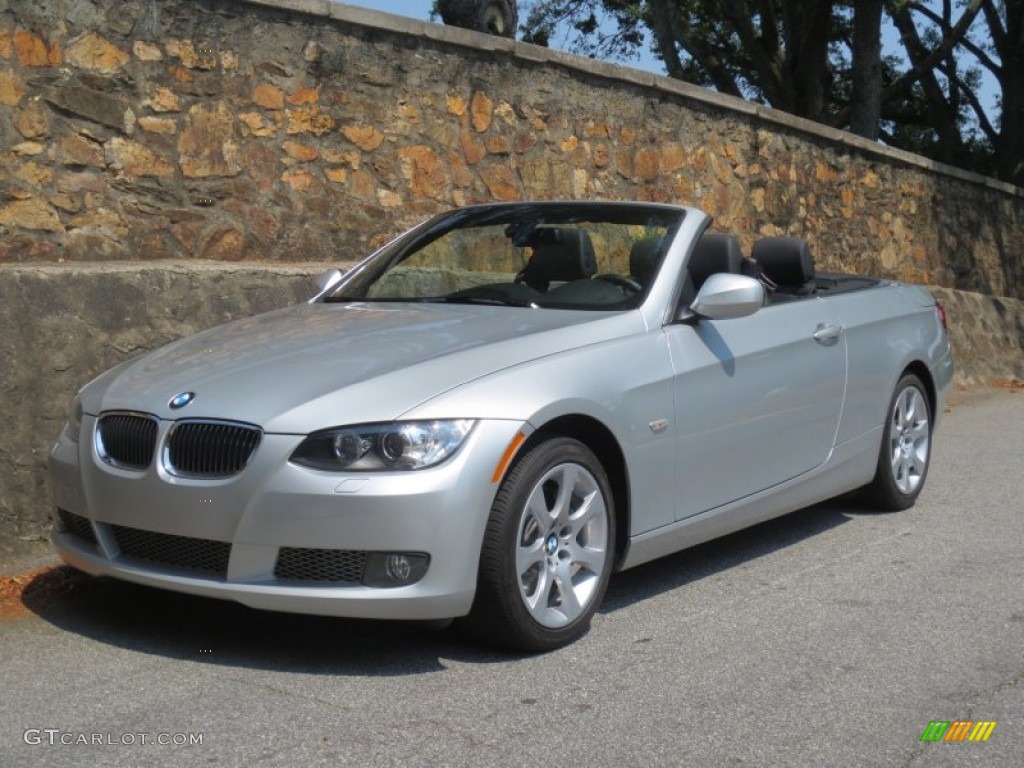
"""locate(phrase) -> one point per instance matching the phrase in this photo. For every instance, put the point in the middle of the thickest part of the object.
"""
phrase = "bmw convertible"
(487, 417)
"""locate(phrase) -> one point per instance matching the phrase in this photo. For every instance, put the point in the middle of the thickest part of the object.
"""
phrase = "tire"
(906, 448)
(547, 551)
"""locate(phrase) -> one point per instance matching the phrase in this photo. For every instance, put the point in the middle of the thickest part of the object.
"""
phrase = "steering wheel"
(622, 281)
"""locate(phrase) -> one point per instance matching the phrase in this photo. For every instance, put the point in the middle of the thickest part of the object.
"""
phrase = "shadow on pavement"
(205, 630)
(700, 562)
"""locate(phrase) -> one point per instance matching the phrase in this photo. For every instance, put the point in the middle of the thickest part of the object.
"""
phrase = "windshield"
(555, 255)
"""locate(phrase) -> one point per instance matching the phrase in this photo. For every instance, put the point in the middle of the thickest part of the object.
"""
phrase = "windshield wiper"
(372, 299)
(492, 300)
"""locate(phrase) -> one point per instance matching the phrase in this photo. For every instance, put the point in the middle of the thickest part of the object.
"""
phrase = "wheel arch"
(599, 439)
(919, 369)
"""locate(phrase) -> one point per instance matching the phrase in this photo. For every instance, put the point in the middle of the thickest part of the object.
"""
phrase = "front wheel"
(906, 448)
(547, 551)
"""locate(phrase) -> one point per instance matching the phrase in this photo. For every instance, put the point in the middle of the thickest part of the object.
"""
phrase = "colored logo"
(958, 730)
(181, 400)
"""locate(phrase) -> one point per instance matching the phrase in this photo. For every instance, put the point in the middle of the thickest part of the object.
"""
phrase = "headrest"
(559, 253)
(714, 253)
(643, 258)
(785, 260)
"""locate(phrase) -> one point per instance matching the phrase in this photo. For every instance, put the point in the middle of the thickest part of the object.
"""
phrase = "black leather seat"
(559, 254)
(787, 262)
(714, 253)
(643, 259)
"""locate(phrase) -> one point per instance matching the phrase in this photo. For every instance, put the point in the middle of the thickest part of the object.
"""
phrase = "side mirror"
(326, 283)
(725, 296)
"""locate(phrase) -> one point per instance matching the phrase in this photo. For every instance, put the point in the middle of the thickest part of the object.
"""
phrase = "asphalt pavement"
(830, 637)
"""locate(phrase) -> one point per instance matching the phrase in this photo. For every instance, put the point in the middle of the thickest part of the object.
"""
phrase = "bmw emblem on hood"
(181, 400)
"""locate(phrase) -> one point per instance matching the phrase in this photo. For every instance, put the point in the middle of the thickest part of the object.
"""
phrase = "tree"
(866, 95)
(942, 105)
(776, 51)
(772, 50)
(823, 60)
(1000, 50)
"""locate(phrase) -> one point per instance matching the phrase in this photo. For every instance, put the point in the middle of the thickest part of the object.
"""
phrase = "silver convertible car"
(492, 413)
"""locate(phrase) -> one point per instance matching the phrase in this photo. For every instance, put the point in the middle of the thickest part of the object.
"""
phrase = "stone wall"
(987, 335)
(307, 130)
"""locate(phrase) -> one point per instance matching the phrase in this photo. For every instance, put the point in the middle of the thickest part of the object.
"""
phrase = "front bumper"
(273, 504)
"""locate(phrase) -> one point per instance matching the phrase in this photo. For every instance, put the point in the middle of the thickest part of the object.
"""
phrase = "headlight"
(73, 426)
(376, 447)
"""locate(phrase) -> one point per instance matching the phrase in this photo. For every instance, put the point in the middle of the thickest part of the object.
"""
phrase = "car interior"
(563, 269)
(784, 266)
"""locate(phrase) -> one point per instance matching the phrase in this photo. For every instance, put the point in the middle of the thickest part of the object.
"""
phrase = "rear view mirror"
(725, 296)
(326, 283)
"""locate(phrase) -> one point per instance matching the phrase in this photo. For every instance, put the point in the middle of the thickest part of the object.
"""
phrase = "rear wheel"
(906, 448)
(547, 551)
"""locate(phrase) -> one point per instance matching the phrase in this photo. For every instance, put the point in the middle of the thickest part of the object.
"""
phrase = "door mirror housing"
(326, 283)
(725, 296)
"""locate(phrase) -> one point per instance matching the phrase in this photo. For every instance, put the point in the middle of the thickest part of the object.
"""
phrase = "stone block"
(11, 88)
(33, 213)
(95, 53)
(207, 146)
(89, 103)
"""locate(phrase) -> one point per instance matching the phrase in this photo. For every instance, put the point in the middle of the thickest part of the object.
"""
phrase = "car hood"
(317, 365)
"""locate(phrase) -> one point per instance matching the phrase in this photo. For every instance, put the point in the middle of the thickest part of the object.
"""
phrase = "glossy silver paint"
(722, 423)
(726, 297)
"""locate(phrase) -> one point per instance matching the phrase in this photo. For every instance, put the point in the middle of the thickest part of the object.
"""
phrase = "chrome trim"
(326, 283)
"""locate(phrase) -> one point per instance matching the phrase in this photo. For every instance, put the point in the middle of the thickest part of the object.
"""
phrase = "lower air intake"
(77, 526)
(320, 565)
(203, 556)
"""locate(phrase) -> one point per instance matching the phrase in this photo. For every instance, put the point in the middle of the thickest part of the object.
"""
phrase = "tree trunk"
(1010, 144)
(808, 28)
(866, 100)
(1008, 38)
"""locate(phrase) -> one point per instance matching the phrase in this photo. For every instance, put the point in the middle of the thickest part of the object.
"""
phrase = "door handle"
(826, 333)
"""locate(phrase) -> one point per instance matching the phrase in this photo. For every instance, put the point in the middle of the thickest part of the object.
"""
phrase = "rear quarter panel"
(887, 328)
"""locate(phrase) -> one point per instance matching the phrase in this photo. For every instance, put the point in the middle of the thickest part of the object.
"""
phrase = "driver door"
(757, 400)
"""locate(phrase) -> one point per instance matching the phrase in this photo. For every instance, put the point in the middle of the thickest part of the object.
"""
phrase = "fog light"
(394, 569)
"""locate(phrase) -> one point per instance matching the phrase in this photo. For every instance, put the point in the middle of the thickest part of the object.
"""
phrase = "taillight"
(942, 315)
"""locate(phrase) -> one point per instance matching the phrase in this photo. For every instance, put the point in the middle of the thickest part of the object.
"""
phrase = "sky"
(417, 9)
